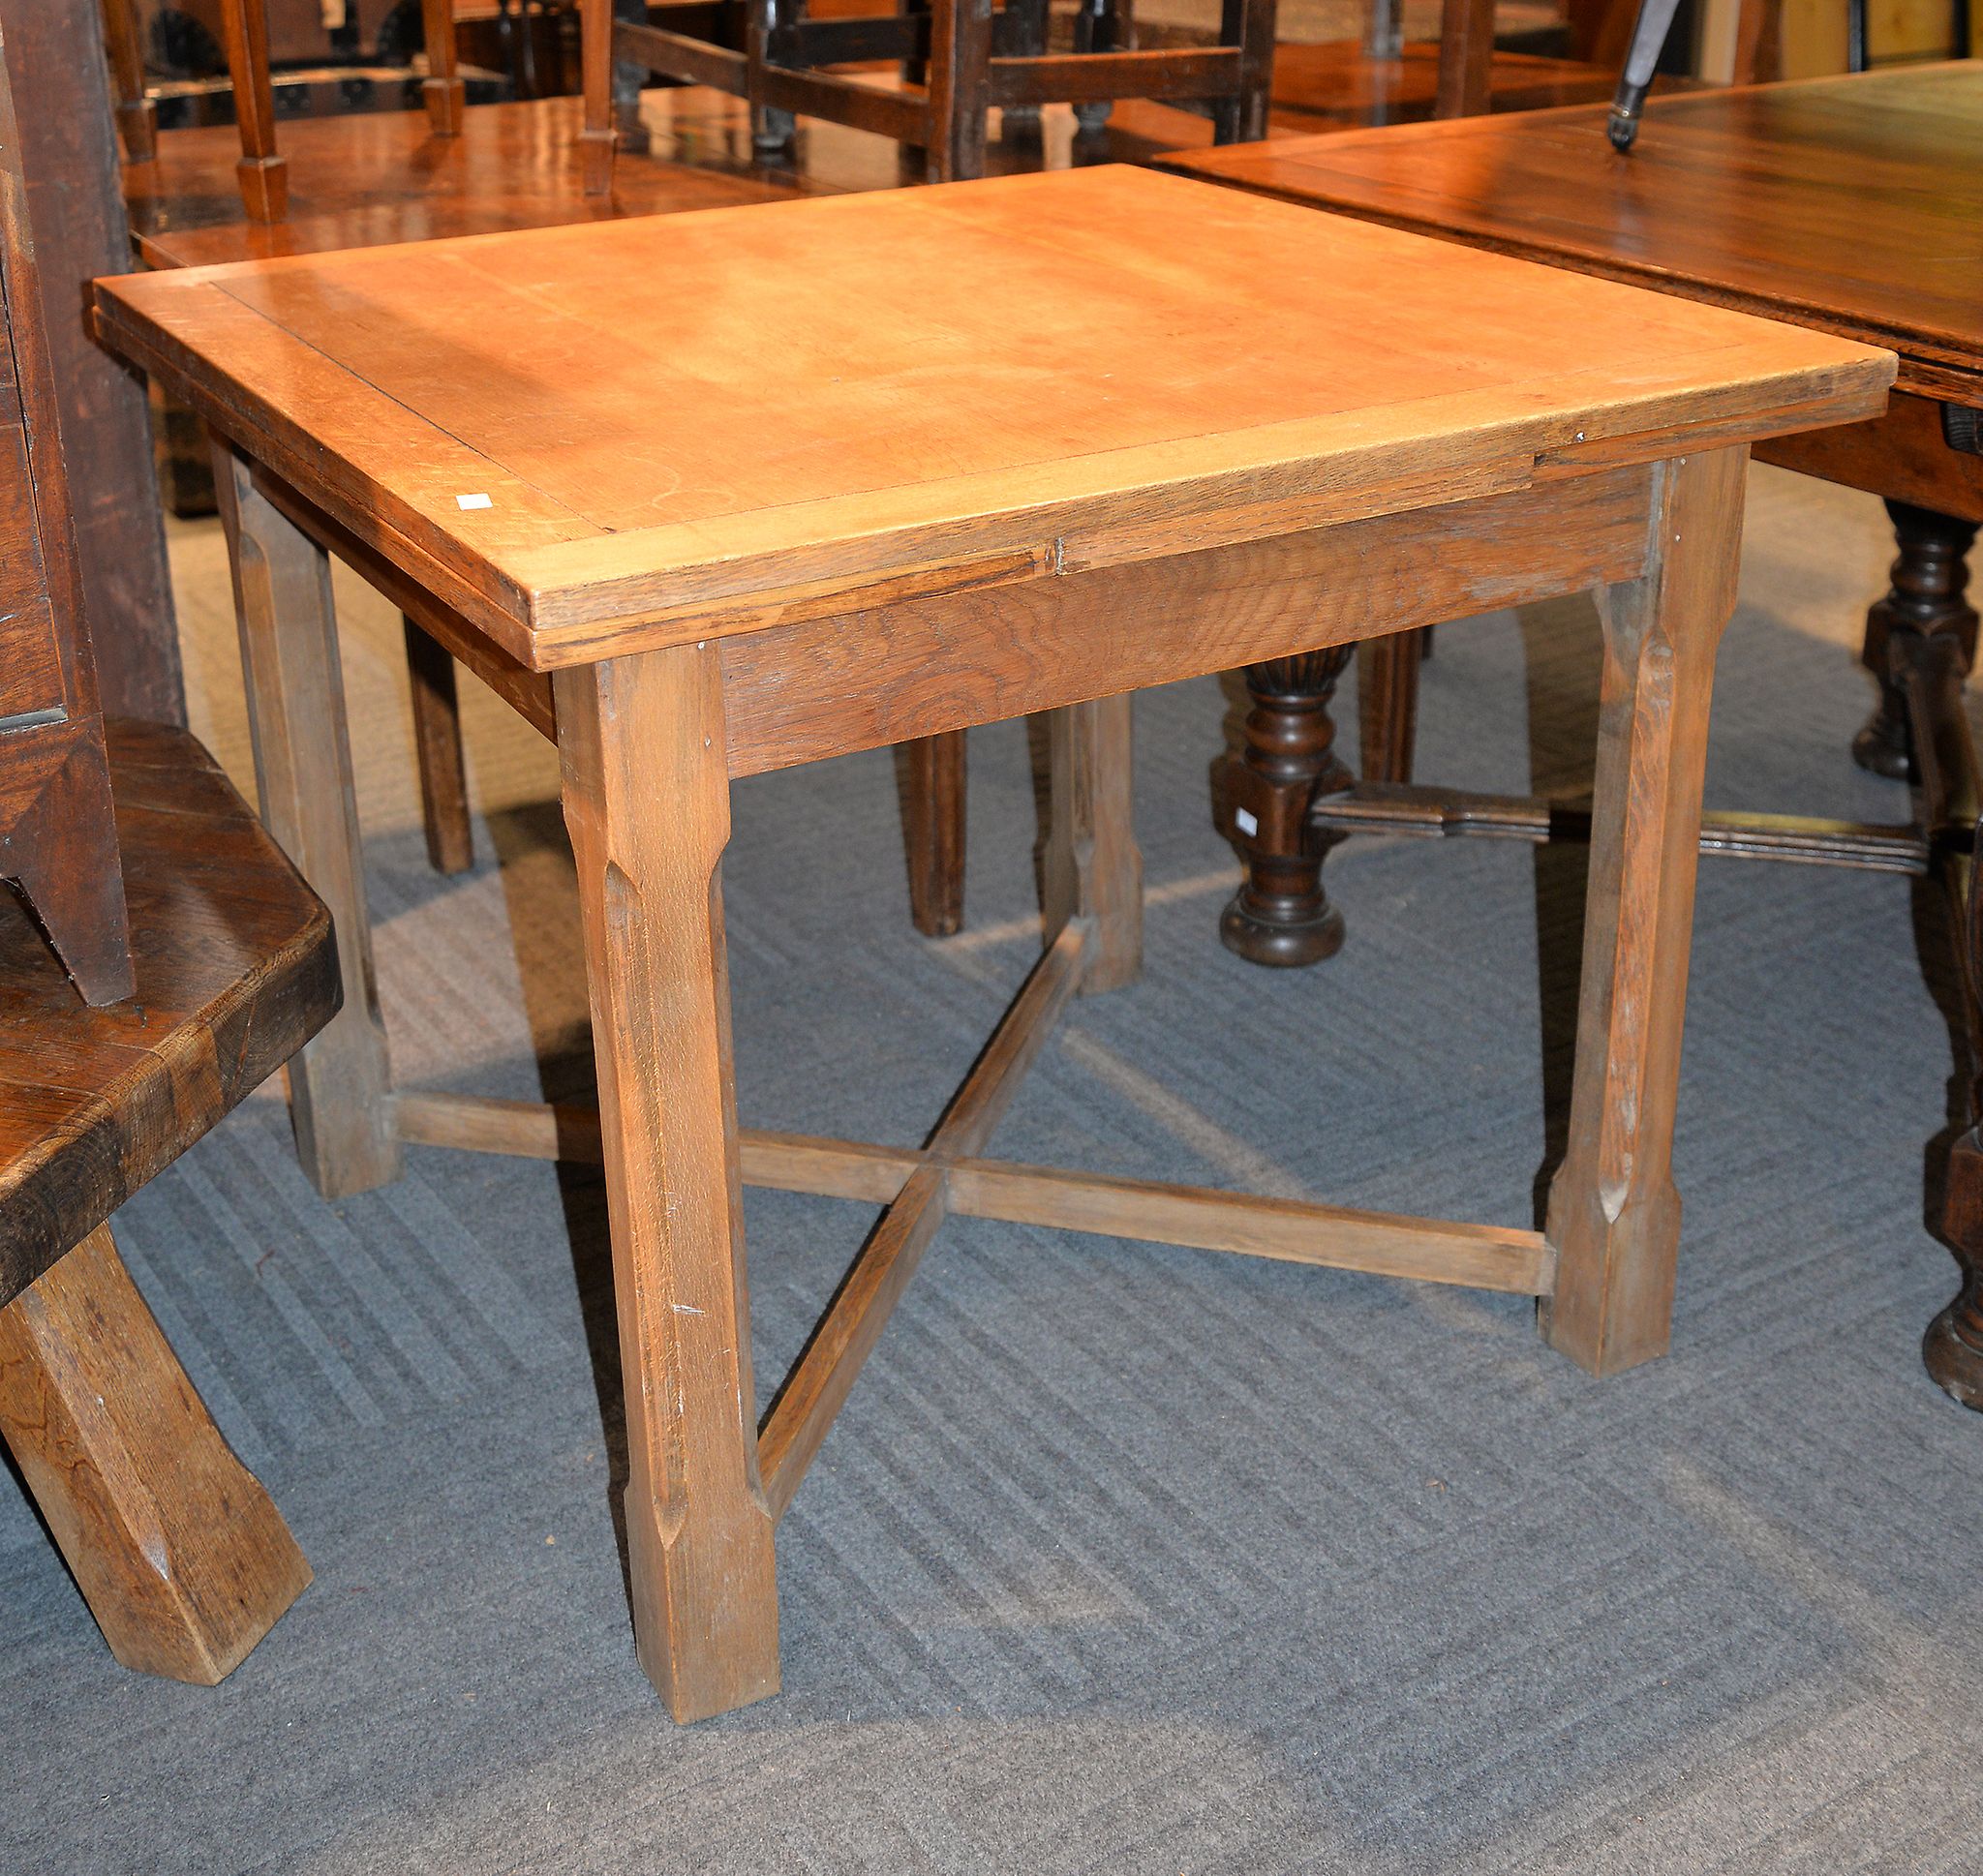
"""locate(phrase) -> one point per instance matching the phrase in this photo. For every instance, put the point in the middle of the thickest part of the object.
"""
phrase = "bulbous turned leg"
(1952, 1349)
(1281, 916)
(1929, 579)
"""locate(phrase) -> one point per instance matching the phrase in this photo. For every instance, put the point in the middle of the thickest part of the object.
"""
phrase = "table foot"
(1281, 914)
(1929, 579)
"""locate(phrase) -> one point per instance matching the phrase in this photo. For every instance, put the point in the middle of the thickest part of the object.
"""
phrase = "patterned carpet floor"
(1122, 1558)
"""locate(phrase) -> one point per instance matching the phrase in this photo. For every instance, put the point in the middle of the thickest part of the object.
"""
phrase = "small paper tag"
(1245, 821)
(472, 501)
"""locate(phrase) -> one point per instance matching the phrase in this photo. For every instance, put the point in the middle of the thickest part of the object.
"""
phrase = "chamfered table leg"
(183, 1559)
(437, 744)
(647, 801)
(933, 790)
(1614, 1213)
(1925, 596)
(341, 1084)
(1090, 866)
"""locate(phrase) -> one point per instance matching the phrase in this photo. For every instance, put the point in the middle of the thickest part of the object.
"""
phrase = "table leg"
(341, 1084)
(1090, 866)
(1281, 914)
(183, 1559)
(1387, 704)
(1929, 580)
(1614, 1211)
(933, 787)
(647, 801)
(1952, 1351)
(437, 743)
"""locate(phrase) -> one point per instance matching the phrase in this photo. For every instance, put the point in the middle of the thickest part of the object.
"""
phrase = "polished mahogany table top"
(1002, 380)
(1853, 204)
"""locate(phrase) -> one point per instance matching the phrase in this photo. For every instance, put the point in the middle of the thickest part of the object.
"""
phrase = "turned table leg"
(183, 1559)
(1926, 597)
(437, 744)
(341, 1083)
(647, 801)
(1281, 914)
(1614, 1211)
(1090, 866)
(1952, 1351)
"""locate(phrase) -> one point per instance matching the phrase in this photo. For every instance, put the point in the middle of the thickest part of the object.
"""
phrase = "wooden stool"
(183, 1559)
(761, 572)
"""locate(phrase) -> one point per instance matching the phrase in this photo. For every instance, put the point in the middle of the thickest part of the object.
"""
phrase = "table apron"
(1902, 456)
(864, 680)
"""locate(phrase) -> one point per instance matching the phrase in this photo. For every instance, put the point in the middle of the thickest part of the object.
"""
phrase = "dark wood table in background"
(1850, 205)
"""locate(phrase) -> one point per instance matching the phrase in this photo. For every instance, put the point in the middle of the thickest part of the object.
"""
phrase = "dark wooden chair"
(158, 960)
(959, 59)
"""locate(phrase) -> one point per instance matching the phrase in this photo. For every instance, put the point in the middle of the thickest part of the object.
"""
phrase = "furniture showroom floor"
(1121, 1557)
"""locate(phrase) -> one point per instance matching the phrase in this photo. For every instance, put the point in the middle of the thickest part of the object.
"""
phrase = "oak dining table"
(710, 495)
(1849, 204)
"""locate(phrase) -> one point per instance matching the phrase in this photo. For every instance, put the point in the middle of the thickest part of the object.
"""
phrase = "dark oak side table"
(1850, 204)
(935, 513)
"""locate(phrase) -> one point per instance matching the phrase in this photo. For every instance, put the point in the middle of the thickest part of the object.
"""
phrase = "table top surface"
(600, 439)
(1853, 204)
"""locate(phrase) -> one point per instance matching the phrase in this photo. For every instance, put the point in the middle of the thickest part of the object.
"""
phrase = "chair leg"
(444, 93)
(597, 140)
(959, 80)
(933, 790)
(771, 128)
(437, 743)
(179, 1552)
(1027, 24)
(137, 116)
(260, 171)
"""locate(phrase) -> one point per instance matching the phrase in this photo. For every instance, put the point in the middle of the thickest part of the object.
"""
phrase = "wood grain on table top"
(695, 424)
(1853, 204)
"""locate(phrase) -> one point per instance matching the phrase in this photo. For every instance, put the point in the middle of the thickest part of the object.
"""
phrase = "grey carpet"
(1121, 1557)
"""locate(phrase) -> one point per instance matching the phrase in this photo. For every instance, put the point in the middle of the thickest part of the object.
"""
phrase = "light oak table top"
(765, 485)
(1853, 204)
(591, 440)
